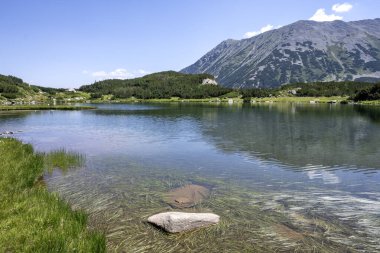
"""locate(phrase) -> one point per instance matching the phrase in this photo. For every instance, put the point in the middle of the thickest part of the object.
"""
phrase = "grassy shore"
(294, 99)
(285, 99)
(322, 100)
(169, 100)
(235, 100)
(31, 218)
(370, 102)
(44, 107)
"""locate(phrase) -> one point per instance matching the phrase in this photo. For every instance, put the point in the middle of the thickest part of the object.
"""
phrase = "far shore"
(44, 107)
(239, 100)
(214, 101)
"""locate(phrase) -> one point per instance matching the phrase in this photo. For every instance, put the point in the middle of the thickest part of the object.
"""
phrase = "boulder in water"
(175, 222)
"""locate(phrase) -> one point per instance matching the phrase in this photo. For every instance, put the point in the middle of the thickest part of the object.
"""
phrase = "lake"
(283, 177)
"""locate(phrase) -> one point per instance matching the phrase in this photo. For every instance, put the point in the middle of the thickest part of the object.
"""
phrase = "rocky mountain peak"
(304, 51)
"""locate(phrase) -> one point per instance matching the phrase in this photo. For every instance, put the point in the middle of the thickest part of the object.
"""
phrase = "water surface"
(283, 177)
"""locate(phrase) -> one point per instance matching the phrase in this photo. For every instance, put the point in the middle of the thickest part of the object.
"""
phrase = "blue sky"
(67, 43)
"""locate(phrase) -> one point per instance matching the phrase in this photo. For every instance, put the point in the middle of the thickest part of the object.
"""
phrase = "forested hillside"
(158, 85)
(316, 89)
(13, 87)
(327, 89)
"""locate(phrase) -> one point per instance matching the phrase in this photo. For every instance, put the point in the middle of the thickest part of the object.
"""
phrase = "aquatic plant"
(62, 159)
(250, 221)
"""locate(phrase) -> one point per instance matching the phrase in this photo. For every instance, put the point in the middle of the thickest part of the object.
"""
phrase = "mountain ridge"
(304, 51)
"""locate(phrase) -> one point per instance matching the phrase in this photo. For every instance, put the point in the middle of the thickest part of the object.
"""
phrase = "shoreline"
(44, 107)
(34, 219)
(239, 100)
(91, 104)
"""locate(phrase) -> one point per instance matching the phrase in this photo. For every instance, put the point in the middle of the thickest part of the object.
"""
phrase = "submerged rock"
(175, 222)
(187, 196)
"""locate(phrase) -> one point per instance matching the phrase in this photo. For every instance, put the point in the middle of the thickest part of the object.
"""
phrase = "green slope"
(158, 85)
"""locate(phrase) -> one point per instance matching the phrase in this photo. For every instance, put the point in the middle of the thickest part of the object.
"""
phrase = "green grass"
(294, 99)
(170, 100)
(290, 99)
(43, 107)
(370, 102)
(62, 159)
(31, 218)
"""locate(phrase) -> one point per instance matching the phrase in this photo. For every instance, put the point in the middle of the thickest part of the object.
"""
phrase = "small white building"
(209, 81)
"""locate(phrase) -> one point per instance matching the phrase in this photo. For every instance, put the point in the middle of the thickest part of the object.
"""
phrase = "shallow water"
(283, 177)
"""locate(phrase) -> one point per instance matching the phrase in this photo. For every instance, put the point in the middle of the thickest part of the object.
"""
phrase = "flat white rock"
(175, 222)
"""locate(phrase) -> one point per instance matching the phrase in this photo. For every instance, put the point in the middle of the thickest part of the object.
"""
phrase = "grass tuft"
(63, 160)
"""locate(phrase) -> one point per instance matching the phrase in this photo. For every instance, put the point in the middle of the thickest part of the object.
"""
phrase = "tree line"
(369, 93)
(316, 89)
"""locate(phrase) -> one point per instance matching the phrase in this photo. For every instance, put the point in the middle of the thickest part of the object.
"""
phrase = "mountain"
(305, 51)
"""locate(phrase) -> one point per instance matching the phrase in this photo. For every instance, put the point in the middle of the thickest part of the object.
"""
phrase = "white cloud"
(320, 15)
(340, 8)
(119, 73)
(262, 30)
(115, 74)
